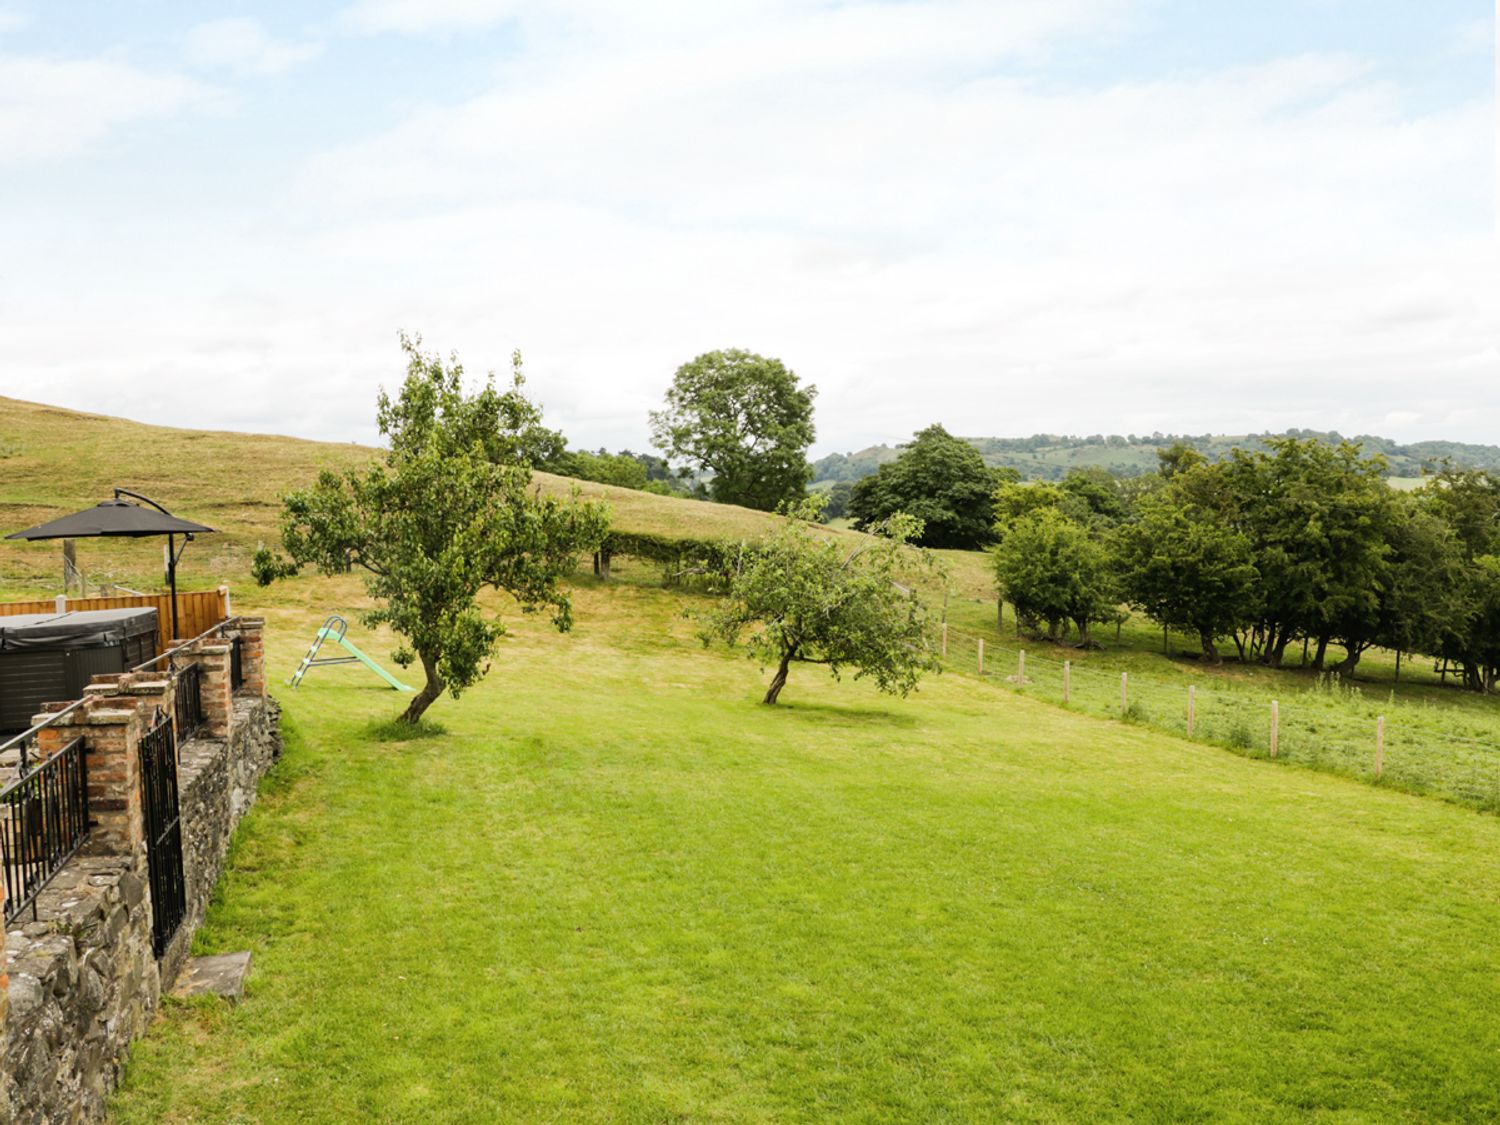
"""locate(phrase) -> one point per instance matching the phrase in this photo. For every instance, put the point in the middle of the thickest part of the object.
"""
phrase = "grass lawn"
(616, 888)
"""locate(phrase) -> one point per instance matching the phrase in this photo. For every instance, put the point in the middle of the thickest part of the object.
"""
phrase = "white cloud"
(373, 16)
(877, 193)
(244, 47)
(52, 108)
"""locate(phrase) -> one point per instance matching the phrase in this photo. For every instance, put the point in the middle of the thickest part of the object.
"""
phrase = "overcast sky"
(1007, 216)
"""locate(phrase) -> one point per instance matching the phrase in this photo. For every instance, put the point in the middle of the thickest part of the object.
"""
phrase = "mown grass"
(614, 888)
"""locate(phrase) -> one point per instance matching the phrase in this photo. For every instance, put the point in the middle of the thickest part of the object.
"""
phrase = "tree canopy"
(446, 512)
(812, 600)
(744, 418)
(942, 481)
(1054, 572)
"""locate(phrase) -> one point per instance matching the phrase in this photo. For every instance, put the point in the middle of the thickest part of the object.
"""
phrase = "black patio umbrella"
(118, 517)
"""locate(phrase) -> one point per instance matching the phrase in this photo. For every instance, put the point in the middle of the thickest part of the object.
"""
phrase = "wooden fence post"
(1067, 677)
(1124, 694)
(1192, 708)
(981, 656)
(1275, 727)
(945, 640)
(1379, 747)
(1021, 668)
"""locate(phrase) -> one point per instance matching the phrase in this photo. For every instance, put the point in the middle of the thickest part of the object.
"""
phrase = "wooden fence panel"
(197, 611)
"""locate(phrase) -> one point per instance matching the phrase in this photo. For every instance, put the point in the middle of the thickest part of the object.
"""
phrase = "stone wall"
(216, 780)
(83, 984)
(83, 980)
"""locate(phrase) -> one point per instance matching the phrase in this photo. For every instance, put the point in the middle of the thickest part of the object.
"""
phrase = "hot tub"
(49, 657)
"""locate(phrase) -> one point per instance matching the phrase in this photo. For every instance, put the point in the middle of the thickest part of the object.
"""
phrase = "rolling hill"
(1051, 456)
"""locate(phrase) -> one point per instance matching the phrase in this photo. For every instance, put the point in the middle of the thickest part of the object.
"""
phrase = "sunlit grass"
(617, 888)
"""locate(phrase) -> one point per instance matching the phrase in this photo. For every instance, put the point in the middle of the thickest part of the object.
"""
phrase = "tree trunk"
(1345, 667)
(1398, 665)
(1210, 650)
(429, 693)
(1321, 654)
(778, 681)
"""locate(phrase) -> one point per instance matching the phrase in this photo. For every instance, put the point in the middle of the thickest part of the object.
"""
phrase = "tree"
(1179, 565)
(942, 481)
(1468, 500)
(444, 513)
(1053, 571)
(1317, 517)
(836, 501)
(744, 418)
(815, 601)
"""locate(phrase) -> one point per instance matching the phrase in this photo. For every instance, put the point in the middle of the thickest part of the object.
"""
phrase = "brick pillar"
(111, 727)
(218, 699)
(252, 632)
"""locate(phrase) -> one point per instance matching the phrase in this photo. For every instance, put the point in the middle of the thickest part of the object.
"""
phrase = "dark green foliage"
(1317, 517)
(745, 419)
(446, 512)
(1182, 566)
(939, 479)
(836, 501)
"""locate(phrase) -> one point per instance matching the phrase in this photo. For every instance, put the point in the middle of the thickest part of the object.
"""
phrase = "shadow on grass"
(394, 730)
(828, 714)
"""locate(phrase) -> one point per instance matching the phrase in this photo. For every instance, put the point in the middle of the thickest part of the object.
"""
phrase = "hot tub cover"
(75, 629)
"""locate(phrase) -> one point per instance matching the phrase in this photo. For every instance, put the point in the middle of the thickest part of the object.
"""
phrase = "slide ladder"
(334, 629)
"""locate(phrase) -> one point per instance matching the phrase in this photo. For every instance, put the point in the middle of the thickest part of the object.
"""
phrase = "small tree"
(815, 601)
(446, 512)
(744, 418)
(1052, 570)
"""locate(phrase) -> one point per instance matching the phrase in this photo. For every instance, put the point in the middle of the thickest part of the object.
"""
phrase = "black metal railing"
(163, 832)
(44, 819)
(236, 663)
(216, 630)
(187, 700)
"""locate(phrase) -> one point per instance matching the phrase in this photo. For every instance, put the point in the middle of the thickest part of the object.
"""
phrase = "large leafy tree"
(1318, 519)
(942, 481)
(1178, 563)
(1468, 500)
(744, 418)
(445, 512)
(812, 600)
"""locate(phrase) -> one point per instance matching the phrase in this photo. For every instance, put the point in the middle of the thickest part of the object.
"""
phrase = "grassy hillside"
(54, 461)
(614, 888)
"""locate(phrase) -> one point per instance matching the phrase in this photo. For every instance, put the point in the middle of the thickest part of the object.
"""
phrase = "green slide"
(334, 629)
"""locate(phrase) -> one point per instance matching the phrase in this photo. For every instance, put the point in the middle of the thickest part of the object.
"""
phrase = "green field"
(611, 886)
(616, 888)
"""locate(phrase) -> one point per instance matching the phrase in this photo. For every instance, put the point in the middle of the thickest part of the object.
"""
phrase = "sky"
(1004, 216)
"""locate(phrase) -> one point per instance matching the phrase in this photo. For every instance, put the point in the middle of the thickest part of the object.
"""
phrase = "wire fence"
(1333, 727)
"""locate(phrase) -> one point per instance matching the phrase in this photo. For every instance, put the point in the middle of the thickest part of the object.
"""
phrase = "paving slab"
(222, 974)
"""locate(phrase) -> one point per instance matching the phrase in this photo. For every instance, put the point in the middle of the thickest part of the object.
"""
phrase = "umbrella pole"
(172, 581)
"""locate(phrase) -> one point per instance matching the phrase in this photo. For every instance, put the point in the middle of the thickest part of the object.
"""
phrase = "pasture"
(613, 887)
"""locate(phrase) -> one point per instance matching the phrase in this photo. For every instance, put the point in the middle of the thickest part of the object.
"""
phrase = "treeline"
(1053, 456)
(1298, 544)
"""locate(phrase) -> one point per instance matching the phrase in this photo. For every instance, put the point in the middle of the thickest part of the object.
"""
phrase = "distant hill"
(1051, 456)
